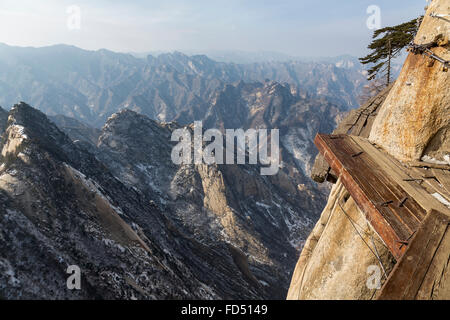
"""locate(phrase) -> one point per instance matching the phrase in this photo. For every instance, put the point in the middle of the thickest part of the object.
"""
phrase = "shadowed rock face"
(265, 217)
(77, 130)
(57, 210)
(3, 119)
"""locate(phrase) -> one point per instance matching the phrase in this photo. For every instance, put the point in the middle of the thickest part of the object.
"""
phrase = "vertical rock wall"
(336, 263)
(416, 112)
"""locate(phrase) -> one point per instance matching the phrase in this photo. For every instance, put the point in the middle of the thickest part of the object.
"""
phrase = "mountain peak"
(128, 117)
(34, 122)
(127, 127)
(26, 123)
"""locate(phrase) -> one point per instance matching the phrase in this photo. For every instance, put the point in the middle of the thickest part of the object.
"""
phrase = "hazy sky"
(295, 27)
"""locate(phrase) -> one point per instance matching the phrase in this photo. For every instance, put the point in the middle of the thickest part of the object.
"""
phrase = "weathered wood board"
(423, 270)
(393, 212)
(358, 122)
(410, 179)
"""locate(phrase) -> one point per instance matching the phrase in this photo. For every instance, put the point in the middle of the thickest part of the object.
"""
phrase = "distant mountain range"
(92, 85)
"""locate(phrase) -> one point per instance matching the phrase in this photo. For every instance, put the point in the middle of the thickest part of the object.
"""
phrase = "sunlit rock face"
(414, 121)
(334, 262)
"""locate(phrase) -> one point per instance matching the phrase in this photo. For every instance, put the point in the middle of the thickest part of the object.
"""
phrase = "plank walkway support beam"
(423, 269)
(392, 212)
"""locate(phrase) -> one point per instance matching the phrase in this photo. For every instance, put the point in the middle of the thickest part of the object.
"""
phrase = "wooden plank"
(443, 176)
(409, 273)
(422, 164)
(402, 175)
(375, 214)
(436, 284)
(381, 188)
(365, 132)
(385, 175)
(431, 182)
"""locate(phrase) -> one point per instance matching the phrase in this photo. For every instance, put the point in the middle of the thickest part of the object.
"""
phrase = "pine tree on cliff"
(386, 45)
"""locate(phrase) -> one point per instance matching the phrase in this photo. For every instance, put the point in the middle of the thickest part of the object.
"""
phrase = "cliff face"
(411, 122)
(334, 261)
(414, 122)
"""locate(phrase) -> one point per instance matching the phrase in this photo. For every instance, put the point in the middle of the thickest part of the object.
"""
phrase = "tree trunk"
(389, 63)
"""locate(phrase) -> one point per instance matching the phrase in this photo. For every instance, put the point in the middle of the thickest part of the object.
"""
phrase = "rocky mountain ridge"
(92, 85)
(137, 225)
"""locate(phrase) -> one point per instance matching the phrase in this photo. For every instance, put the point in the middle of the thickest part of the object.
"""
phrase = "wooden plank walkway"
(411, 179)
(391, 210)
(396, 199)
(423, 270)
